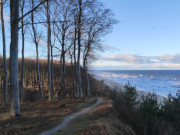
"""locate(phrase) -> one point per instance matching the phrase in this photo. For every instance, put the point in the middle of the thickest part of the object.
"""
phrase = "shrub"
(148, 111)
(171, 112)
(130, 95)
(146, 117)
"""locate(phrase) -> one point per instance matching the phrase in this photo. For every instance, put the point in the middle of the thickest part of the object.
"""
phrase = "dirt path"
(71, 117)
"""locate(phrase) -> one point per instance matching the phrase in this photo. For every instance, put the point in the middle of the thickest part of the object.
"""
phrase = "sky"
(29, 44)
(147, 36)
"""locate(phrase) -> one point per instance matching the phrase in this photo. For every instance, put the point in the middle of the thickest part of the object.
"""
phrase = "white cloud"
(132, 61)
(138, 59)
(110, 48)
(175, 58)
(129, 58)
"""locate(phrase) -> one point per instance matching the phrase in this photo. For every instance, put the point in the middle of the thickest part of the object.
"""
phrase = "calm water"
(161, 82)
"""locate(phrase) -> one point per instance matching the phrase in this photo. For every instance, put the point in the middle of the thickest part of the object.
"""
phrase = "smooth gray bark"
(14, 84)
(4, 55)
(22, 66)
(52, 64)
(63, 67)
(87, 84)
(75, 63)
(38, 73)
(79, 51)
(37, 51)
(48, 53)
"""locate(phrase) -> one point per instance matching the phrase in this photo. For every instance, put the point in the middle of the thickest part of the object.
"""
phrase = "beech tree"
(63, 24)
(23, 42)
(77, 26)
(73, 39)
(14, 85)
(80, 92)
(36, 40)
(4, 54)
(48, 53)
(97, 24)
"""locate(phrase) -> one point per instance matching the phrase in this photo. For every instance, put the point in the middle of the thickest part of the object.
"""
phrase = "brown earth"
(37, 117)
(102, 120)
(105, 122)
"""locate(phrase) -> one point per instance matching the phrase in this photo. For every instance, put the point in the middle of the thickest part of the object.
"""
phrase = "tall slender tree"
(98, 23)
(23, 41)
(80, 92)
(4, 54)
(14, 84)
(36, 41)
(63, 30)
(52, 60)
(49, 52)
(13, 64)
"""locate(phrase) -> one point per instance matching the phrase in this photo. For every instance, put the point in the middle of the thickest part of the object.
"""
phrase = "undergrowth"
(146, 116)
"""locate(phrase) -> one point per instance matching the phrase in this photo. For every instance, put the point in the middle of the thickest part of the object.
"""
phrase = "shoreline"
(118, 87)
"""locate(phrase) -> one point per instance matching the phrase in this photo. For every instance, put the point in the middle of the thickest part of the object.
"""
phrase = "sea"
(161, 82)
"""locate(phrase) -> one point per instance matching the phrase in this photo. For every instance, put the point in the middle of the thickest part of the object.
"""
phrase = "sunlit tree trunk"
(14, 87)
(4, 55)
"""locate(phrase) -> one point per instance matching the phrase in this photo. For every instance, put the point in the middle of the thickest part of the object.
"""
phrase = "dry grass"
(107, 122)
(102, 120)
(38, 116)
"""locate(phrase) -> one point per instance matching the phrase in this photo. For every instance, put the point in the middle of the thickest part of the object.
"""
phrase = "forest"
(52, 79)
(70, 30)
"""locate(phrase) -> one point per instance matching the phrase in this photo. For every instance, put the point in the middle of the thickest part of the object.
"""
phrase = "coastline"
(120, 87)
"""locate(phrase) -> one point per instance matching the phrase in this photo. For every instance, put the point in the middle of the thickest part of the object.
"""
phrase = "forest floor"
(69, 119)
(37, 117)
(102, 120)
(40, 116)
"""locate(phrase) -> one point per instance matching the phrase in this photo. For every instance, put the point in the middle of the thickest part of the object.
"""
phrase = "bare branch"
(32, 10)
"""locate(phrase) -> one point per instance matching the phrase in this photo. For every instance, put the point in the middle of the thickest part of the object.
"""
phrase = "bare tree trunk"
(38, 73)
(52, 86)
(22, 72)
(63, 67)
(87, 83)
(61, 75)
(48, 45)
(79, 51)
(37, 55)
(14, 85)
(75, 64)
(72, 68)
(64, 75)
(4, 56)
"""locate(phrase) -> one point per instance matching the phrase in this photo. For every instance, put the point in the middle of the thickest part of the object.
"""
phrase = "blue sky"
(146, 37)
(148, 30)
